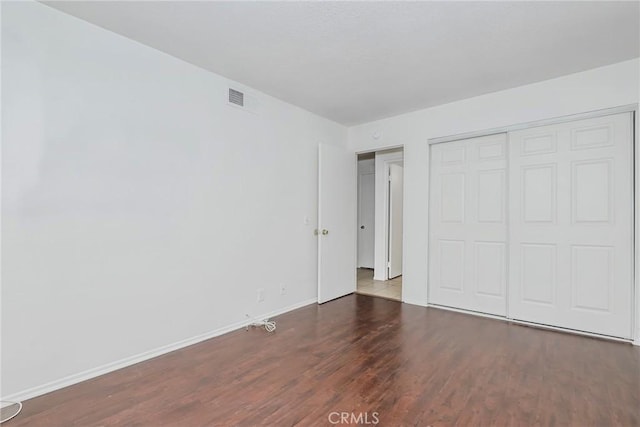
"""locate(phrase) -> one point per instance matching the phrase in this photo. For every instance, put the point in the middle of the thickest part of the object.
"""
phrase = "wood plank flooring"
(413, 366)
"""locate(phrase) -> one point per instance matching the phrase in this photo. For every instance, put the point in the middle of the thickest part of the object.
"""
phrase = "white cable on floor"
(269, 325)
(11, 403)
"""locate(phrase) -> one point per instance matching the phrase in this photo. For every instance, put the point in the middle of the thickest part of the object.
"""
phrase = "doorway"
(380, 224)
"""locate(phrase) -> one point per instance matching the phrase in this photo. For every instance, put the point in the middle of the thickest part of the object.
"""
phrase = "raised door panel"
(592, 276)
(591, 191)
(538, 193)
(452, 197)
(538, 273)
(491, 196)
(537, 143)
(451, 265)
(490, 272)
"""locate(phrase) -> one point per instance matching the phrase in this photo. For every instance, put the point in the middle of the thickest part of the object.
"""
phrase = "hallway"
(390, 289)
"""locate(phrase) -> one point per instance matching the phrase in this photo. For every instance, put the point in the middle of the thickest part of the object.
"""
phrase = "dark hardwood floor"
(411, 365)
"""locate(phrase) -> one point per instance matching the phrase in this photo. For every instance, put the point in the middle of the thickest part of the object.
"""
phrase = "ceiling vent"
(236, 97)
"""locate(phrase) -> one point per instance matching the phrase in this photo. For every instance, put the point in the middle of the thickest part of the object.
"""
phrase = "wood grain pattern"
(414, 366)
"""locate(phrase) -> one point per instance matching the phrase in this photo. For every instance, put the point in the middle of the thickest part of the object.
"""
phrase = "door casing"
(394, 247)
(383, 161)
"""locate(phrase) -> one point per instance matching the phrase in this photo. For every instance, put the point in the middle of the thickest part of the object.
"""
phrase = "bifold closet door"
(571, 234)
(468, 224)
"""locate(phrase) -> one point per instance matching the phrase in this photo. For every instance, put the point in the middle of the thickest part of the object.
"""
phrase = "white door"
(366, 210)
(336, 222)
(571, 234)
(468, 224)
(395, 220)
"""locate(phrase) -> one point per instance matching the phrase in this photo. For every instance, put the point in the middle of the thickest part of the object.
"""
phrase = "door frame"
(387, 211)
(629, 108)
(381, 256)
(399, 157)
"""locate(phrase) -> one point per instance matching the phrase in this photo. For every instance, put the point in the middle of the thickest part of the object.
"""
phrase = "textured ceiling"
(358, 61)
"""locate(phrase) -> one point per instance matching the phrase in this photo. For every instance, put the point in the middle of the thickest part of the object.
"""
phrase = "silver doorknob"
(325, 232)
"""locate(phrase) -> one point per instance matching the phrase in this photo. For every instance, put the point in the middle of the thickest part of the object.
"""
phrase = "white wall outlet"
(260, 295)
(283, 289)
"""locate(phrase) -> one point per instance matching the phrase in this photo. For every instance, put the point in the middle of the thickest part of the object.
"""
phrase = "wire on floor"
(269, 325)
(9, 404)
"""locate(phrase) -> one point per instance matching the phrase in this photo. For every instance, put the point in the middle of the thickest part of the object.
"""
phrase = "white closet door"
(571, 237)
(468, 224)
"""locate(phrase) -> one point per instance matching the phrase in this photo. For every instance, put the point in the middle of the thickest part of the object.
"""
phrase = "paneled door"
(571, 234)
(468, 224)
(337, 219)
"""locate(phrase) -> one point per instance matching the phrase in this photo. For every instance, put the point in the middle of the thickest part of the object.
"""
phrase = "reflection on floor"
(391, 289)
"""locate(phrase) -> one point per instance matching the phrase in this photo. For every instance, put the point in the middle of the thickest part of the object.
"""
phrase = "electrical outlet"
(260, 295)
(283, 289)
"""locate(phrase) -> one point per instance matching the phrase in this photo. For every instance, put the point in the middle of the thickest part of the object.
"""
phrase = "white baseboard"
(141, 357)
(419, 303)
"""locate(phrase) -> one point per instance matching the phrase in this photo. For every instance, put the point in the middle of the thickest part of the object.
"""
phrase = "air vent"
(236, 97)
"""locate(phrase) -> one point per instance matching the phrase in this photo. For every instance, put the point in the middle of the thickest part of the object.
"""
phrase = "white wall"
(596, 89)
(139, 209)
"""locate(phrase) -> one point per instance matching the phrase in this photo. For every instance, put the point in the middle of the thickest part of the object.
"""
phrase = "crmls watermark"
(359, 418)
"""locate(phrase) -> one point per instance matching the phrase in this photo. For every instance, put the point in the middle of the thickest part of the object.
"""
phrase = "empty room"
(318, 213)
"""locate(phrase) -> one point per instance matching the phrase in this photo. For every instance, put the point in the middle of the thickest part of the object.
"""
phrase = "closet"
(537, 225)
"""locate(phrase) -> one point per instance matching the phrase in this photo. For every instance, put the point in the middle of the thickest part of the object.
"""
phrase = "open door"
(395, 220)
(366, 220)
(336, 223)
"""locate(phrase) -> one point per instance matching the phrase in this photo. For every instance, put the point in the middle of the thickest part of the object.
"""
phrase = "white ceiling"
(354, 62)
